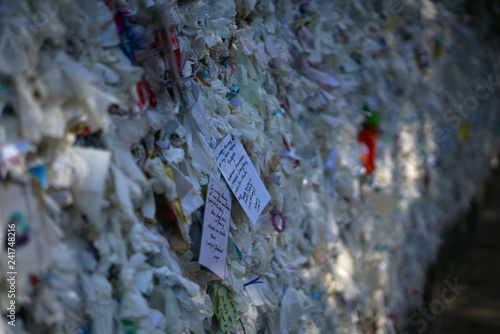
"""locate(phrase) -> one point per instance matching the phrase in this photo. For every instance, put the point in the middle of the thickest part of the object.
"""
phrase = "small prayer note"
(225, 308)
(216, 227)
(241, 176)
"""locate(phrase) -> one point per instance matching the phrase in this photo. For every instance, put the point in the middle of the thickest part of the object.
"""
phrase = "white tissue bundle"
(111, 111)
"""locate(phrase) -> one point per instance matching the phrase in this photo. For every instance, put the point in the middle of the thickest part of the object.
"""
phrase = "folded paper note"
(216, 227)
(224, 308)
(241, 176)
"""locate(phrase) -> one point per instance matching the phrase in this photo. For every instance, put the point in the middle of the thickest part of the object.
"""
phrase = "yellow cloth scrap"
(177, 202)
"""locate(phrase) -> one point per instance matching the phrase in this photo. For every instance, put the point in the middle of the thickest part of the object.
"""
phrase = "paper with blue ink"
(242, 177)
(216, 220)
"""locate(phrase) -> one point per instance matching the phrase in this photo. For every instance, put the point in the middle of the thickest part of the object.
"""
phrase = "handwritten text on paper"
(216, 227)
(241, 176)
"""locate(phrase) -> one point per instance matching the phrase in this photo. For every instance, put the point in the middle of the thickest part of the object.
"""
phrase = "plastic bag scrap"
(353, 114)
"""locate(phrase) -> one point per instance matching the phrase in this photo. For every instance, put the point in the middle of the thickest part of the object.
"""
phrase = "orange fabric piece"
(368, 136)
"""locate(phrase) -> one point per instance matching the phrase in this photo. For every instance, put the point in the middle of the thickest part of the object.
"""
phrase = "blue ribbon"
(240, 254)
(254, 281)
(244, 331)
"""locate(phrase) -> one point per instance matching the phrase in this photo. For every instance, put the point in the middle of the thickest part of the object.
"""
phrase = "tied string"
(274, 213)
(142, 99)
(238, 251)
(130, 41)
(173, 56)
(152, 95)
(244, 331)
(254, 281)
(128, 38)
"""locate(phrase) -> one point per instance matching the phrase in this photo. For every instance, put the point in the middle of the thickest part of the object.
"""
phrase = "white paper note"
(90, 190)
(216, 227)
(241, 176)
(18, 210)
